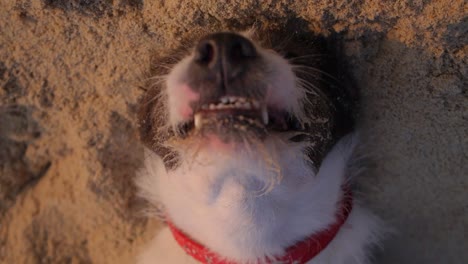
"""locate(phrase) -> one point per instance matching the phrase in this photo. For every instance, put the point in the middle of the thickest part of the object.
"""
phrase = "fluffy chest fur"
(222, 203)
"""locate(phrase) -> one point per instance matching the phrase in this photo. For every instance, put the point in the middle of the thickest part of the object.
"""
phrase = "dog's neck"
(216, 201)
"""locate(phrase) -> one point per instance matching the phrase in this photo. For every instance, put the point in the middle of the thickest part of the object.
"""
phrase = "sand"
(71, 76)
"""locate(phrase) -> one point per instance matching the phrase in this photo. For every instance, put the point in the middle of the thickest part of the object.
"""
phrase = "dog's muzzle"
(229, 74)
(231, 100)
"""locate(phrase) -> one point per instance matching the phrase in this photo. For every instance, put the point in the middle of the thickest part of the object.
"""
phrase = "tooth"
(212, 106)
(224, 100)
(265, 115)
(238, 104)
(204, 107)
(197, 120)
(247, 105)
(242, 100)
(232, 99)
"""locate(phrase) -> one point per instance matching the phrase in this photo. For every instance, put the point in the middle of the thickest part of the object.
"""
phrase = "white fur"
(283, 89)
(214, 199)
(176, 98)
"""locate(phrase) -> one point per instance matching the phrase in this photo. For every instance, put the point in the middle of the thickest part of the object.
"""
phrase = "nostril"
(205, 52)
(242, 48)
(224, 51)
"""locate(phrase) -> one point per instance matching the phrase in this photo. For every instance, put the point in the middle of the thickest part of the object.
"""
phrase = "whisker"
(157, 97)
(315, 70)
(317, 77)
(311, 88)
(156, 77)
(283, 43)
(309, 56)
(167, 66)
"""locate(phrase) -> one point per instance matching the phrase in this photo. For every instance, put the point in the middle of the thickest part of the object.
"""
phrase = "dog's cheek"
(179, 93)
(180, 99)
(282, 91)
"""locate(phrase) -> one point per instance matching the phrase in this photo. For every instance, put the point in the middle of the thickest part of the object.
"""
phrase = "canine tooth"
(197, 120)
(265, 115)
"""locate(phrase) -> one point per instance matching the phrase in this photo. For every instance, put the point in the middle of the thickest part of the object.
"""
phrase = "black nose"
(224, 51)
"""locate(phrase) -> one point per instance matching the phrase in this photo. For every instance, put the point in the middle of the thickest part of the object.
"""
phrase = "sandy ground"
(70, 76)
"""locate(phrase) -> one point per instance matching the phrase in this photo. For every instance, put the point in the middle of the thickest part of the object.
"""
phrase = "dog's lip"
(233, 102)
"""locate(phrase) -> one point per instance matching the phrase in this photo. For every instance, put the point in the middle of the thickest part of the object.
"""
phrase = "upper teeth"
(233, 102)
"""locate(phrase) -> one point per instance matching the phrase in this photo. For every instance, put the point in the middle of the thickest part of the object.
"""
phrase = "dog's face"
(230, 90)
(229, 86)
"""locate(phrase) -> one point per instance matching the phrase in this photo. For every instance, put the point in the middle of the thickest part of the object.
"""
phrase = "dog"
(250, 143)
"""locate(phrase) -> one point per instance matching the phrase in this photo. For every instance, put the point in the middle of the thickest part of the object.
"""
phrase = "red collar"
(301, 252)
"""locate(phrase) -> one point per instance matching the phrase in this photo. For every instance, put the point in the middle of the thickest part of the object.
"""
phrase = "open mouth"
(236, 114)
(240, 111)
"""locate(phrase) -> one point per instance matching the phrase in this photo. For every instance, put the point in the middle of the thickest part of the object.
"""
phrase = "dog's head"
(231, 90)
